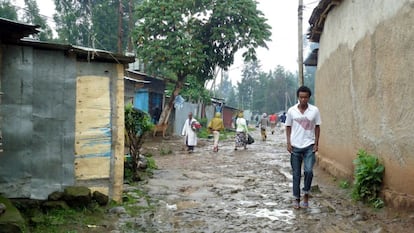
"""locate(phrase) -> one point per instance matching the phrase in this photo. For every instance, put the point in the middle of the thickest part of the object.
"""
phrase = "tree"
(231, 99)
(7, 10)
(94, 23)
(224, 88)
(249, 84)
(32, 16)
(270, 92)
(73, 22)
(196, 37)
(195, 91)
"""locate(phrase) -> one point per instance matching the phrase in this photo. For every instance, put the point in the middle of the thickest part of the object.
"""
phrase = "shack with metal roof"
(62, 116)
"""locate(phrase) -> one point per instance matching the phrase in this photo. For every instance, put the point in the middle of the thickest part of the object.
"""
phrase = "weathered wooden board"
(118, 173)
(92, 127)
(92, 168)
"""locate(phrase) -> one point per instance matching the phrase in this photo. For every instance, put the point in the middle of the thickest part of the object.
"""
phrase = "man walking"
(303, 122)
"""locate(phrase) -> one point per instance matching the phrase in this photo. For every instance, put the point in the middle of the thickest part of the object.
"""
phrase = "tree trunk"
(130, 25)
(166, 111)
(135, 144)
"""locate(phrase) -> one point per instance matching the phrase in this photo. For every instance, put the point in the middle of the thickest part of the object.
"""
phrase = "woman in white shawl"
(190, 133)
(241, 132)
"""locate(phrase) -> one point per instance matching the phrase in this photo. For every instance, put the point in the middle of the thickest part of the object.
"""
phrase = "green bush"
(203, 122)
(203, 133)
(137, 123)
(368, 179)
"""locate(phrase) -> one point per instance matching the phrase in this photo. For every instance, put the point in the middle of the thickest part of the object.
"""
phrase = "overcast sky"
(282, 16)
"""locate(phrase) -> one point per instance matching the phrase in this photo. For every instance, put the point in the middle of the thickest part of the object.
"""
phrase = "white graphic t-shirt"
(303, 125)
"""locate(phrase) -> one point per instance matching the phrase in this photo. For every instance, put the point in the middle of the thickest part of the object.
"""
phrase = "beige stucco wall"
(365, 91)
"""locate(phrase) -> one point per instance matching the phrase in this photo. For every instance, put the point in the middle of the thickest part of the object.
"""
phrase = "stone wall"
(365, 92)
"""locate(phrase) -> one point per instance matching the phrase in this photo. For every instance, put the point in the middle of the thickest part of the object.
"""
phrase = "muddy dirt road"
(248, 191)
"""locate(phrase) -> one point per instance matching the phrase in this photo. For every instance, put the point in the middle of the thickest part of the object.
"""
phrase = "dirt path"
(248, 191)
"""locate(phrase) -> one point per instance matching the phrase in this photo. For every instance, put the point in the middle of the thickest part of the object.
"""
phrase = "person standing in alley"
(303, 122)
(264, 123)
(241, 132)
(273, 121)
(283, 118)
(189, 132)
(215, 126)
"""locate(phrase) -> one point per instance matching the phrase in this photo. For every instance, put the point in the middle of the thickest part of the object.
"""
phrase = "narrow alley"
(248, 191)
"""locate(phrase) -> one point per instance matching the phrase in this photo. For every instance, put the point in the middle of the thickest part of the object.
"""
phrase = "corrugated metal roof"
(12, 32)
(136, 80)
(81, 52)
(317, 19)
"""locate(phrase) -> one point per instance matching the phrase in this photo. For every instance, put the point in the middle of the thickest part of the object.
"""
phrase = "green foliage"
(137, 123)
(135, 207)
(344, 184)
(227, 134)
(32, 16)
(66, 220)
(368, 179)
(203, 133)
(95, 23)
(151, 163)
(226, 91)
(265, 92)
(195, 91)
(7, 10)
(165, 151)
(195, 37)
(203, 122)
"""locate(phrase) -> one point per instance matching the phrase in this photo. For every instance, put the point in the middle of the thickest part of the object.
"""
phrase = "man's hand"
(289, 148)
(315, 148)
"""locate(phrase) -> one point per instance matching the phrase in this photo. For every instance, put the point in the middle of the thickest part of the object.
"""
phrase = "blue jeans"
(308, 157)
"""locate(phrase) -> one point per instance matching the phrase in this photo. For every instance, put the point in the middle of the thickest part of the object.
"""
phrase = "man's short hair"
(303, 89)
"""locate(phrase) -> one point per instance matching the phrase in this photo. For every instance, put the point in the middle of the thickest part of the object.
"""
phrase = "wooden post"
(300, 42)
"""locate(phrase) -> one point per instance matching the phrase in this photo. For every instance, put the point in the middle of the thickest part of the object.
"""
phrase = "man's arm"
(317, 133)
(288, 132)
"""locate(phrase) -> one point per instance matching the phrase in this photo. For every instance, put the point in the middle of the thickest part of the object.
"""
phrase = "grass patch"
(165, 151)
(344, 184)
(224, 135)
(67, 220)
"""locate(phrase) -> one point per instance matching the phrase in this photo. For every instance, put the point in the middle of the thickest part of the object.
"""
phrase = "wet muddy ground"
(247, 191)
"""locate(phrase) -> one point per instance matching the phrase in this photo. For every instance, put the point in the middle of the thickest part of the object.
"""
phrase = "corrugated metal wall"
(38, 122)
(63, 123)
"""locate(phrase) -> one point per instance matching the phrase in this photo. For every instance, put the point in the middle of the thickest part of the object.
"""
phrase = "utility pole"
(300, 42)
(120, 13)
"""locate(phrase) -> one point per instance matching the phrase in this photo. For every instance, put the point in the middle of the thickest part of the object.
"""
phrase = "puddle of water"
(275, 214)
(186, 205)
(248, 204)
(271, 203)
